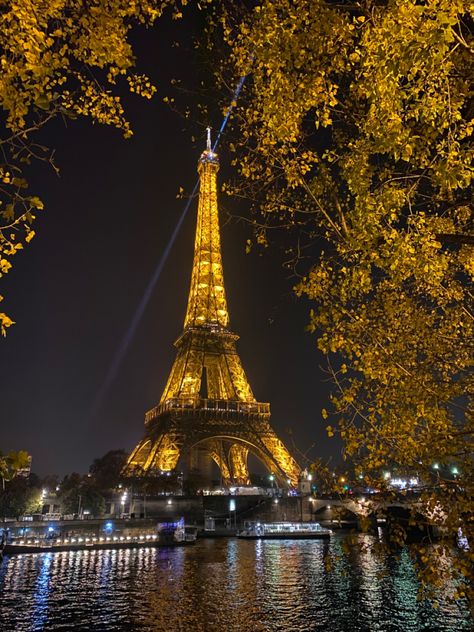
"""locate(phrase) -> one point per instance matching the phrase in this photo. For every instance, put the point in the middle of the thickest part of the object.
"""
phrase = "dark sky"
(74, 290)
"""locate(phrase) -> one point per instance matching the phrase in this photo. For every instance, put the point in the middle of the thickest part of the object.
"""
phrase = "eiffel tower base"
(193, 436)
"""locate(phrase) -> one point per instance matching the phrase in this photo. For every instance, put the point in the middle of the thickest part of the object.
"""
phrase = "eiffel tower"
(207, 411)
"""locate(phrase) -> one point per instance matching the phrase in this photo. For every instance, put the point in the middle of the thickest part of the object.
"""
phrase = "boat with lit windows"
(284, 531)
(166, 534)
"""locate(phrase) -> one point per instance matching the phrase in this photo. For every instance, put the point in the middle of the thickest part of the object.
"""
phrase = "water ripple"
(220, 585)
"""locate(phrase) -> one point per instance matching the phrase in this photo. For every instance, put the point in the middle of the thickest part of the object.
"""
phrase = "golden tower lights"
(207, 406)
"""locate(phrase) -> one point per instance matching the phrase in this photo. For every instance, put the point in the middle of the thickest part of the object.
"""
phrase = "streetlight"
(232, 508)
(123, 500)
(271, 478)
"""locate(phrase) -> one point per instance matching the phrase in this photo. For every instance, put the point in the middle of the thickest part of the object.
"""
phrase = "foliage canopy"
(59, 58)
(106, 470)
(355, 135)
(11, 463)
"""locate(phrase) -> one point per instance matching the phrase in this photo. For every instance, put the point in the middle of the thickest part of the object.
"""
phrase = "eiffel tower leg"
(238, 463)
(217, 453)
(158, 450)
(138, 457)
(288, 469)
(165, 453)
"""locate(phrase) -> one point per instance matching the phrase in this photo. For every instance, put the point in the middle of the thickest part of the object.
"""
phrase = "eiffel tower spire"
(207, 303)
(207, 316)
(207, 410)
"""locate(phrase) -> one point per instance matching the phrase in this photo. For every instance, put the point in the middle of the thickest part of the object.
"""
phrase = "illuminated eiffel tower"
(207, 410)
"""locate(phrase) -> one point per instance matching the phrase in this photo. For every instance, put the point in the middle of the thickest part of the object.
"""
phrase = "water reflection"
(221, 585)
(42, 590)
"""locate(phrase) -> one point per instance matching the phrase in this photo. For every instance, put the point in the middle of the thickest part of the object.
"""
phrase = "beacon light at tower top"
(208, 153)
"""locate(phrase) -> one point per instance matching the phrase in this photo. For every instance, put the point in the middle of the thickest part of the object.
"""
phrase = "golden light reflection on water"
(218, 585)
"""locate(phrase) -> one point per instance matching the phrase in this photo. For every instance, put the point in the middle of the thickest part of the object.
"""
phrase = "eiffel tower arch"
(207, 411)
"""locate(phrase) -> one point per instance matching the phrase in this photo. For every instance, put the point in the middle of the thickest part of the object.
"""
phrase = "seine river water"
(224, 585)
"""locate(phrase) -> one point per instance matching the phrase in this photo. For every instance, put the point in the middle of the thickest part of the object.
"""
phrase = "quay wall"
(194, 509)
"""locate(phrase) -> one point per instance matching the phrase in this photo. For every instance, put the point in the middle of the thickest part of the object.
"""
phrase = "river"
(222, 585)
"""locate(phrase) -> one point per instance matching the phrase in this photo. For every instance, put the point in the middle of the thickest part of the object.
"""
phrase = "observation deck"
(222, 408)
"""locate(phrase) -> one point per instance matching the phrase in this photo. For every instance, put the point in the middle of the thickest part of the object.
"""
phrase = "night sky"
(75, 288)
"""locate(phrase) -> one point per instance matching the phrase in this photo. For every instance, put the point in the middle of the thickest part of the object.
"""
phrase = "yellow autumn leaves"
(375, 102)
(59, 58)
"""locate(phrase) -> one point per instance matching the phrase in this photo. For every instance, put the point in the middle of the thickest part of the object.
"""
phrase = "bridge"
(367, 510)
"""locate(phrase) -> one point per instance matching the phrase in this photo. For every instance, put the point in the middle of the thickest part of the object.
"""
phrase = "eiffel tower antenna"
(207, 411)
(208, 145)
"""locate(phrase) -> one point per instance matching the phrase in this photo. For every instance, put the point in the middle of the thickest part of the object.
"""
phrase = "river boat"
(167, 534)
(284, 531)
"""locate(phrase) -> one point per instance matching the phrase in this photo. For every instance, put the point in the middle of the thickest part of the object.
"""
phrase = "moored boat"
(167, 534)
(284, 531)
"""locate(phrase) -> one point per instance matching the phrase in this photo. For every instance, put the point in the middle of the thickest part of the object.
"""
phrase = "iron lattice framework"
(207, 407)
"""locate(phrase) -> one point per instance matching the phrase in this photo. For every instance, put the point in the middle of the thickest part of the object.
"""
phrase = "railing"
(189, 404)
